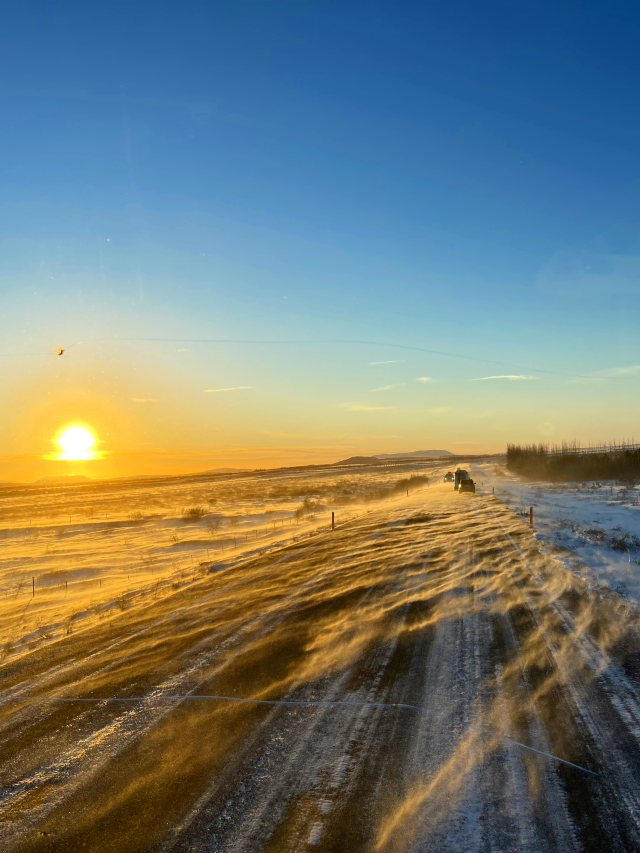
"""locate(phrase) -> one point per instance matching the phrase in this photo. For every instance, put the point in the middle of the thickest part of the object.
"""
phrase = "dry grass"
(194, 513)
(421, 574)
(108, 537)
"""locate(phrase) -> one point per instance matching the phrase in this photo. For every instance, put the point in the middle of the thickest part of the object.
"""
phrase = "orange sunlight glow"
(76, 442)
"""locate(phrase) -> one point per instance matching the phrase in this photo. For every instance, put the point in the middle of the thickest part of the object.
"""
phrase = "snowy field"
(430, 675)
(594, 531)
(72, 556)
(75, 555)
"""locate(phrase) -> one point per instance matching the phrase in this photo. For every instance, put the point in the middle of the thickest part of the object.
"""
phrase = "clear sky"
(461, 178)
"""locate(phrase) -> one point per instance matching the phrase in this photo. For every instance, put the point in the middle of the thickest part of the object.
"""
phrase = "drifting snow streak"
(479, 691)
(288, 702)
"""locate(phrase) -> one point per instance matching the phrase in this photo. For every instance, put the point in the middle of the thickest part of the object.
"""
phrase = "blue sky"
(456, 177)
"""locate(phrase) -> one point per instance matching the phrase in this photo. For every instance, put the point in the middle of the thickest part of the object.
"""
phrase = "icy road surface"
(530, 683)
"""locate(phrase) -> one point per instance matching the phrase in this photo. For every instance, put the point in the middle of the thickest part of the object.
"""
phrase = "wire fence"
(611, 448)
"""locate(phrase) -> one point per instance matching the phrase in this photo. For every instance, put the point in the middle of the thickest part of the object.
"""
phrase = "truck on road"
(461, 474)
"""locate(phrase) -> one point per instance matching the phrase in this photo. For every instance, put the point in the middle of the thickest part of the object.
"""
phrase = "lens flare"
(76, 442)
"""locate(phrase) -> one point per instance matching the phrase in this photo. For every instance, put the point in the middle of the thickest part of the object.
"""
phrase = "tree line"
(538, 462)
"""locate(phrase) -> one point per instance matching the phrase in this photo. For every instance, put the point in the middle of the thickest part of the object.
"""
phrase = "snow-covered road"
(457, 690)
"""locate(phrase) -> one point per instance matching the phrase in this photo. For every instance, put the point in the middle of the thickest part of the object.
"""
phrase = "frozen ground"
(72, 556)
(595, 531)
(427, 677)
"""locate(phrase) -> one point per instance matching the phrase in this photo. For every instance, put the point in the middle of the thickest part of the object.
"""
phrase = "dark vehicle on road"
(467, 486)
(448, 477)
(461, 474)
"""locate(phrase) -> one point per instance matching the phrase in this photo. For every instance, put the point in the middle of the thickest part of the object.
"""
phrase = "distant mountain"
(357, 460)
(418, 454)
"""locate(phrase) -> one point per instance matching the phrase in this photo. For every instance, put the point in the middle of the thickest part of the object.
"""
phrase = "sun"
(76, 442)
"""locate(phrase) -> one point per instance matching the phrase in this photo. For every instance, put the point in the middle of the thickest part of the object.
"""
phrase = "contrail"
(404, 347)
(300, 702)
(351, 343)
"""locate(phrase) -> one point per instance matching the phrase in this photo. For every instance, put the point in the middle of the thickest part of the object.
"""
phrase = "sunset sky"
(289, 232)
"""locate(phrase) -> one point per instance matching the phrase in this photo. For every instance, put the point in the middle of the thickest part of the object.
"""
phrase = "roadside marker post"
(33, 586)
(531, 516)
(333, 521)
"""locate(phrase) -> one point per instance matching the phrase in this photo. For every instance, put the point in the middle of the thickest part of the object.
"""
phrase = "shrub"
(194, 513)
(629, 480)
(404, 485)
(412, 482)
(305, 507)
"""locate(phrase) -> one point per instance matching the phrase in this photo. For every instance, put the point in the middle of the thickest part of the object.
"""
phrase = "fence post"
(33, 586)
(531, 516)
(333, 521)
(493, 490)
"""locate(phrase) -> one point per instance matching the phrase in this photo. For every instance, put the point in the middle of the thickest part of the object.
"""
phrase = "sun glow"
(76, 442)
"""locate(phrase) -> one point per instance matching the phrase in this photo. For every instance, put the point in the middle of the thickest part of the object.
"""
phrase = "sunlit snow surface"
(73, 555)
(91, 550)
(441, 680)
(596, 531)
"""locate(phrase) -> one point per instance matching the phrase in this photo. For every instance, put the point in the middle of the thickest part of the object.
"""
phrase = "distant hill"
(64, 479)
(418, 454)
(414, 454)
(227, 470)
